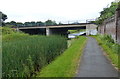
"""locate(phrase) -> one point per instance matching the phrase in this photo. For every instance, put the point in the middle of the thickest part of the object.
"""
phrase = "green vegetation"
(107, 12)
(3, 17)
(70, 42)
(112, 49)
(73, 31)
(23, 55)
(32, 23)
(76, 31)
(10, 34)
(66, 64)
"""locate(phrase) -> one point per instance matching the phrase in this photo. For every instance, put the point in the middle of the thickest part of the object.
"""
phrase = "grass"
(66, 64)
(112, 49)
(76, 31)
(23, 55)
(7, 30)
(70, 42)
(10, 34)
(14, 37)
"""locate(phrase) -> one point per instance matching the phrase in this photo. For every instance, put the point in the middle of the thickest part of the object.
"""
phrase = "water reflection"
(76, 34)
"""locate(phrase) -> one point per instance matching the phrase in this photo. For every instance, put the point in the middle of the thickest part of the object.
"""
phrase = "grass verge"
(76, 31)
(112, 50)
(66, 64)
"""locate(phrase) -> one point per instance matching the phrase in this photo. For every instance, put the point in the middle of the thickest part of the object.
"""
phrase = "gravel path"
(94, 63)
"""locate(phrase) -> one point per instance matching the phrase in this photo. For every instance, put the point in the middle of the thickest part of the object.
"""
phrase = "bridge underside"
(51, 31)
(62, 31)
(34, 31)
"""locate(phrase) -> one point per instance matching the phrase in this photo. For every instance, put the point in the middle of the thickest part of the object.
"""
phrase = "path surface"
(94, 63)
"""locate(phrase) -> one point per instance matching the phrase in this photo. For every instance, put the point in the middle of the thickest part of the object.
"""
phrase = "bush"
(108, 41)
(108, 38)
(7, 30)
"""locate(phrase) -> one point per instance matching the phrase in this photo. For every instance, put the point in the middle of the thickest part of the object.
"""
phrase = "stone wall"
(101, 29)
(111, 26)
(118, 24)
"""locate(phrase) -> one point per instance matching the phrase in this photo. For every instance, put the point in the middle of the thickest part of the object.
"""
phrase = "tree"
(33, 23)
(50, 22)
(7, 24)
(19, 24)
(39, 23)
(13, 23)
(3, 17)
(27, 24)
(54, 23)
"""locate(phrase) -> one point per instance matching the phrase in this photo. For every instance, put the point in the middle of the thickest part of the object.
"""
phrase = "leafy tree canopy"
(4, 16)
(107, 12)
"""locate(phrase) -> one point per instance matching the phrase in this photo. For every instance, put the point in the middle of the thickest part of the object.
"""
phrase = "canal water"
(75, 34)
(88, 32)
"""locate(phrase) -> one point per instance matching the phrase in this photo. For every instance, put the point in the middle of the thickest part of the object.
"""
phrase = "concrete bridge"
(58, 29)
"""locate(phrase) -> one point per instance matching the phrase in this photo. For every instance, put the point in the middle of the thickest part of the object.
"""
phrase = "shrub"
(7, 30)
(108, 41)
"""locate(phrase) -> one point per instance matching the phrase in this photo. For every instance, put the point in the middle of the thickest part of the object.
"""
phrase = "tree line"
(3, 17)
(32, 23)
(106, 13)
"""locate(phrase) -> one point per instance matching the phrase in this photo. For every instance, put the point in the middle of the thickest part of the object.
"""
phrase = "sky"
(57, 10)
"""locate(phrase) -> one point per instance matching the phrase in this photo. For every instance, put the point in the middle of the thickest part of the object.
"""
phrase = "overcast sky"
(58, 10)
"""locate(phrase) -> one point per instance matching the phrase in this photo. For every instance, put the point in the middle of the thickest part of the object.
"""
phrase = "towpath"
(94, 63)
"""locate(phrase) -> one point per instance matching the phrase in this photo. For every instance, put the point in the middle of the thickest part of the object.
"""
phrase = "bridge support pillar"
(56, 31)
(47, 31)
(17, 29)
(91, 29)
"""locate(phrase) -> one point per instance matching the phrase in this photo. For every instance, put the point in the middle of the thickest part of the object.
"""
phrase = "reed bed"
(24, 57)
